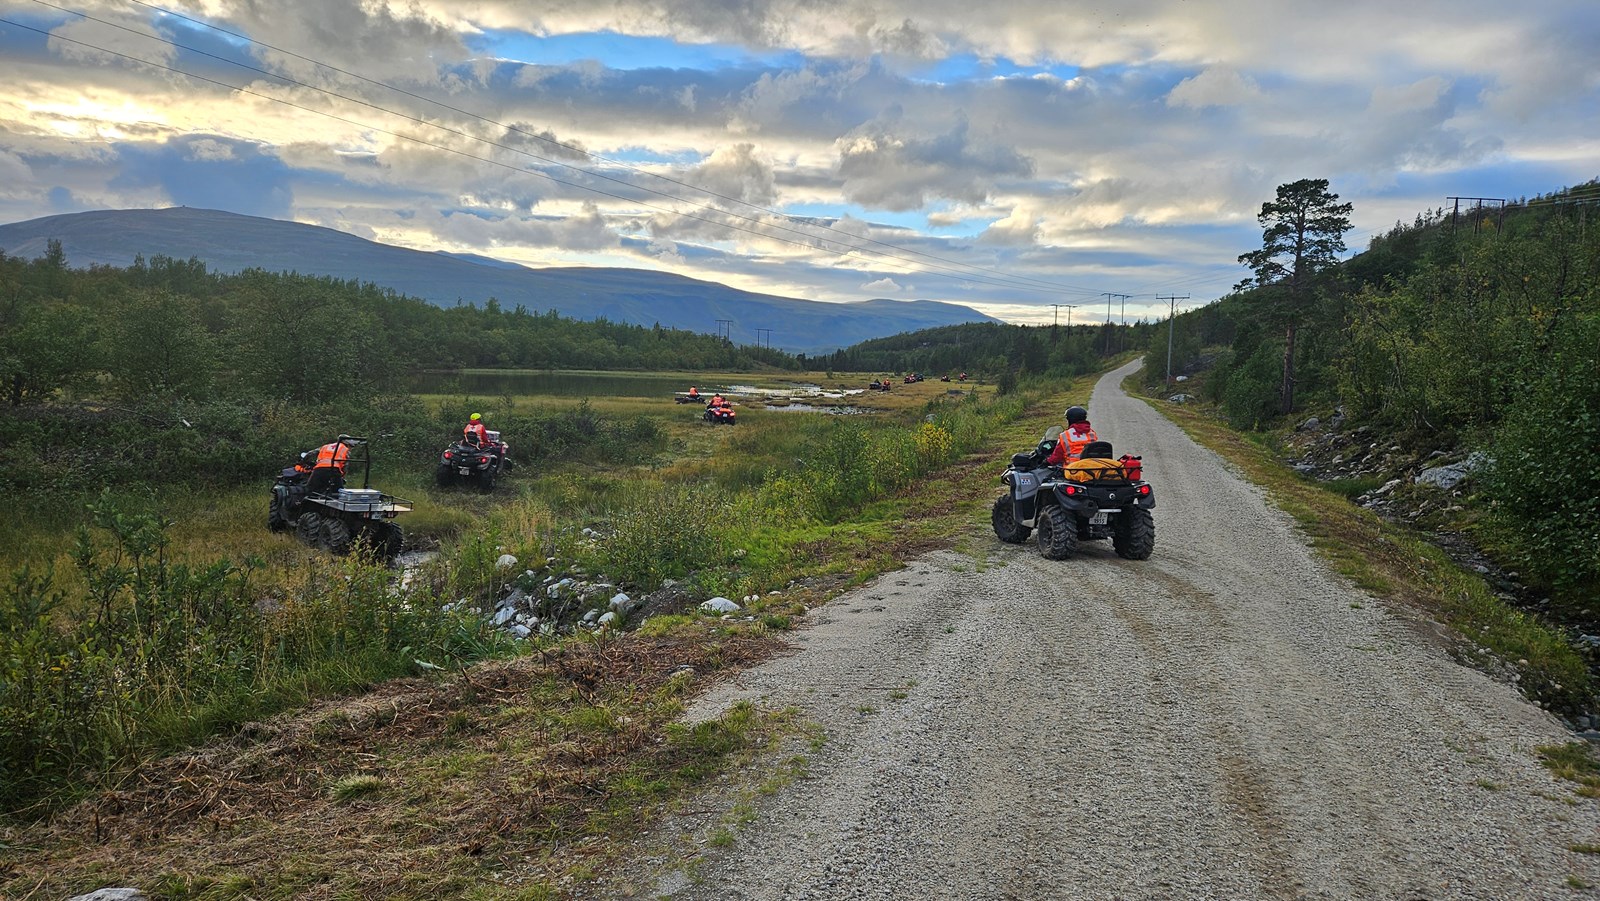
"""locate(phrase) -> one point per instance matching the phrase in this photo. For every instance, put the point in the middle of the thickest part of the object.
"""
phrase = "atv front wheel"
(1134, 535)
(1057, 533)
(1004, 519)
(275, 518)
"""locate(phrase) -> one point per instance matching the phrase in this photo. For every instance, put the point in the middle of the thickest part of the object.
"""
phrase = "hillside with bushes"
(1471, 337)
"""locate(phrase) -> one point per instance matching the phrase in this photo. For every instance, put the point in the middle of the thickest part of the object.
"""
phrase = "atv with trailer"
(1092, 498)
(339, 519)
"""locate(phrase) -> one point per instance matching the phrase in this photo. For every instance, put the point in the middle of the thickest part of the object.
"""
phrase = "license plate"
(1099, 519)
(465, 470)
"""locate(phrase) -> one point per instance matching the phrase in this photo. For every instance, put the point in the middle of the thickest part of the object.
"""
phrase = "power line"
(1024, 283)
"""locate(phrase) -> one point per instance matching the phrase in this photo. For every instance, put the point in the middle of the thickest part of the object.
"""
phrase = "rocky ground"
(1225, 720)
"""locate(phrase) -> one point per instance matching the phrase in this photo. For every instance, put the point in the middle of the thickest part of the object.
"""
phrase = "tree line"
(168, 329)
(992, 349)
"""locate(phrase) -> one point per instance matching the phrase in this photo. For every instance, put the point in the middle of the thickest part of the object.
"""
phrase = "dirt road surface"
(1226, 720)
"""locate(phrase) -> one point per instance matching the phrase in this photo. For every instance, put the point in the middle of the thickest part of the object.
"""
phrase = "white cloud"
(881, 286)
(1218, 86)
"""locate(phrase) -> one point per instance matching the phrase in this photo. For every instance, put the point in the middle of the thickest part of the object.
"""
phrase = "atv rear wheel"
(381, 540)
(309, 528)
(393, 541)
(1134, 534)
(1057, 533)
(1004, 519)
(488, 479)
(336, 535)
(443, 476)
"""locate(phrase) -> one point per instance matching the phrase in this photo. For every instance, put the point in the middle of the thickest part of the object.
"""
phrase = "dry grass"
(417, 790)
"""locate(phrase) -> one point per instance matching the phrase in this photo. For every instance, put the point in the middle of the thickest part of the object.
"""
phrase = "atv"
(1091, 498)
(722, 415)
(466, 462)
(338, 519)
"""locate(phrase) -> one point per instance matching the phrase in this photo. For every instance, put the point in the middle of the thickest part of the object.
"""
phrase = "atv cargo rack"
(369, 503)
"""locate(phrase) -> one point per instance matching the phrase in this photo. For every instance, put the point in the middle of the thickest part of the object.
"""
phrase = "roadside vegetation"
(1397, 563)
(1465, 338)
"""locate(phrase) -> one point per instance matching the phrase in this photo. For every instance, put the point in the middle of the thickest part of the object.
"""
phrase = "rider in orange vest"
(474, 432)
(328, 471)
(1070, 445)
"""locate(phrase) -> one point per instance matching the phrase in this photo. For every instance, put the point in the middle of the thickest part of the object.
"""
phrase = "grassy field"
(506, 779)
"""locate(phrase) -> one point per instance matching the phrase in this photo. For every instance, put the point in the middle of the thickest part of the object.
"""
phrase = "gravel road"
(1225, 720)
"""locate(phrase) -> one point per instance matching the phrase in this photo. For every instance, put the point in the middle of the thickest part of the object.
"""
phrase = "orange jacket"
(1070, 445)
(335, 455)
(476, 428)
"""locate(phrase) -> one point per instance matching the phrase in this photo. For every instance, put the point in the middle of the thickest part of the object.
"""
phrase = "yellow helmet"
(476, 416)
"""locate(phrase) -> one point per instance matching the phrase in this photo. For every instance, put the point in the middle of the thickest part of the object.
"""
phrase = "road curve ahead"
(1225, 720)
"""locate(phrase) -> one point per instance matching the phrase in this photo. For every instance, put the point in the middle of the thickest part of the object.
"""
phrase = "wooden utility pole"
(1172, 315)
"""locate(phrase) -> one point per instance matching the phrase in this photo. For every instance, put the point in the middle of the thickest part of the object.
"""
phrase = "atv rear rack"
(368, 502)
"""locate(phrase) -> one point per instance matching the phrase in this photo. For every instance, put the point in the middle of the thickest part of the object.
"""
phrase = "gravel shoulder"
(1225, 720)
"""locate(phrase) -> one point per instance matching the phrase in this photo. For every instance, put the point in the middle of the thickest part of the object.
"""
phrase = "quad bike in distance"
(1089, 499)
(722, 415)
(468, 463)
(340, 519)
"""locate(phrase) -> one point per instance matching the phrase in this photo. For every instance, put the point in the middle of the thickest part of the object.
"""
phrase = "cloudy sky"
(1007, 155)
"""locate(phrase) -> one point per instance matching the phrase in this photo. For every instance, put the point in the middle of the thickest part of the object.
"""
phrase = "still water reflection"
(567, 384)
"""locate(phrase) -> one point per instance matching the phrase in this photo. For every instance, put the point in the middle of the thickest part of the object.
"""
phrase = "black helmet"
(1076, 414)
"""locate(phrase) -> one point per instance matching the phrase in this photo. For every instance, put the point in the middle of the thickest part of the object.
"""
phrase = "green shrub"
(155, 654)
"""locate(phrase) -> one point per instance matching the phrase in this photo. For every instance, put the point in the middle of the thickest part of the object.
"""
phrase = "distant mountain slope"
(229, 242)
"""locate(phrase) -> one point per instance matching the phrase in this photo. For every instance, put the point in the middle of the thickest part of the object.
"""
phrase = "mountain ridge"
(232, 242)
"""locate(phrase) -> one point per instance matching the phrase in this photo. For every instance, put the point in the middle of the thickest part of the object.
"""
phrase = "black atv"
(336, 518)
(1092, 498)
(468, 463)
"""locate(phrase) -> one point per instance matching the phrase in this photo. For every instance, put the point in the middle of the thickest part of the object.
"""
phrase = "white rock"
(113, 894)
(720, 605)
(621, 601)
(521, 631)
(504, 616)
(506, 561)
(591, 616)
(607, 618)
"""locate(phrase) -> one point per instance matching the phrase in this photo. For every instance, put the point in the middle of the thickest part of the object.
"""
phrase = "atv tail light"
(1071, 490)
(448, 455)
(1144, 490)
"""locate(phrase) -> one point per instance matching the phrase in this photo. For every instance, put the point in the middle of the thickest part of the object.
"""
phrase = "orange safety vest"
(335, 455)
(1070, 445)
(476, 428)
